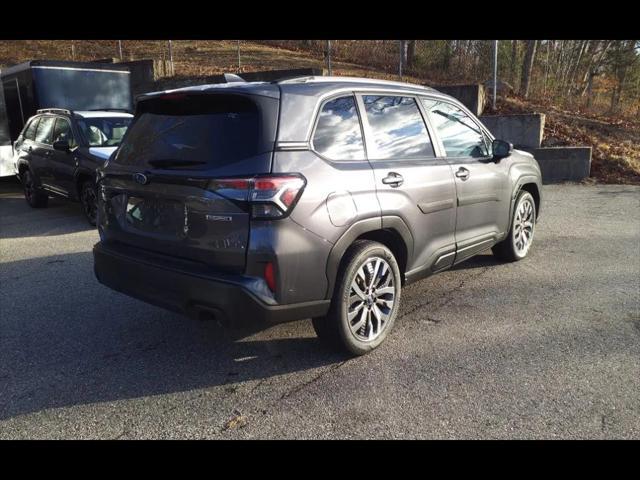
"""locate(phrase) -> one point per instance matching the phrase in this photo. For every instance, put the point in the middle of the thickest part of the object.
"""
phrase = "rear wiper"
(169, 162)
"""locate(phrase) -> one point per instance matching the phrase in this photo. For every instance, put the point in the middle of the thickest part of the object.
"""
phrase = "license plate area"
(157, 216)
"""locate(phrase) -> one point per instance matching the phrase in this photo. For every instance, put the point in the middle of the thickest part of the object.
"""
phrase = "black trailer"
(38, 84)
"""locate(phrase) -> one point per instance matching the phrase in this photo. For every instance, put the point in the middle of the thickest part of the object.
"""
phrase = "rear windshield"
(192, 132)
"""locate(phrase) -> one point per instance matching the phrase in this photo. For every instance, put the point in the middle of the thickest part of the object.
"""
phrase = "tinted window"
(397, 127)
(45, 129)
(460, 135)
(62, 131)
(194, 134)
(30, 131)
(104, 132)
(338, 135)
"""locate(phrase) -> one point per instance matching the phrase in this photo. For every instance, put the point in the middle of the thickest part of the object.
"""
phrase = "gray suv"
(314, 197)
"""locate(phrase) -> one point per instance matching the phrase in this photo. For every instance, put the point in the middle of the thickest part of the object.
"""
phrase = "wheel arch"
(533, 189)
(390, 231)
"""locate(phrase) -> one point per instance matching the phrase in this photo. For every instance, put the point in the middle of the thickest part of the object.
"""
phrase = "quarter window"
(460, 135)
(45, 129)
(397, 127)
(338, 135)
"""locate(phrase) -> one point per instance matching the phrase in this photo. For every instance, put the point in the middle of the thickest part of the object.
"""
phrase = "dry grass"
(615, 142)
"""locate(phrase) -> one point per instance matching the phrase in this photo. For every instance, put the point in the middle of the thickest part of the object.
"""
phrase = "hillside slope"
(616, 143)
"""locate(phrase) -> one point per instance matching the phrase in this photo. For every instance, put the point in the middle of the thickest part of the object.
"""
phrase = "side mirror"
(501, 148)
(62, 145)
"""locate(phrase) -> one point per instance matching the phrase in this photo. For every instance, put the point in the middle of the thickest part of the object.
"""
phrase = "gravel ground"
(544, 348)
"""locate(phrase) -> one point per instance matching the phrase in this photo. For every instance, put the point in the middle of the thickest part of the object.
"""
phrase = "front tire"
(35, 197)
(523, 222)
(89, 201)
(365, 300)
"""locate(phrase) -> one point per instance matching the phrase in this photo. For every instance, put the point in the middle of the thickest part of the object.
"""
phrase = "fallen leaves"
(237, 421)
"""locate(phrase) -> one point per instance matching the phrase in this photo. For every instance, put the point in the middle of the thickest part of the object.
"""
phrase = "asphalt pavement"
(548, 347)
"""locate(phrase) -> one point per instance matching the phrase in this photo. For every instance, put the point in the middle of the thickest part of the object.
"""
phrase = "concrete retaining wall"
(473, 96)
(524, 131)
(560, 164)
(145, 73)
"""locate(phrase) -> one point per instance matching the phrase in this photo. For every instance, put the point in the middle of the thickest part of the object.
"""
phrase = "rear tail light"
(269, 196)
(270, 277)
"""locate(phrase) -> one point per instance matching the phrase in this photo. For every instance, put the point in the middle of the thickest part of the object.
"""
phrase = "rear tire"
(520, 238)
(365, 300)
(89, 201)
(35, 197)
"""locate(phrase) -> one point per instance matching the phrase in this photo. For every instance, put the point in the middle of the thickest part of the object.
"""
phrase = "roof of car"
(101, 113)
(85, 113)
(301, 94)
(315, 85)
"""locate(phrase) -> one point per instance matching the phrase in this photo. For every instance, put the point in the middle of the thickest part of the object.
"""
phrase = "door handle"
(394, 179)
(462, 173)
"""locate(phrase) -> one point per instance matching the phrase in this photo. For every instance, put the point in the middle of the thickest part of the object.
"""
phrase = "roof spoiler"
(232, 78)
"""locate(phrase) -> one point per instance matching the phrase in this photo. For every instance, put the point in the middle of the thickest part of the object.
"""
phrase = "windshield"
(104, 132)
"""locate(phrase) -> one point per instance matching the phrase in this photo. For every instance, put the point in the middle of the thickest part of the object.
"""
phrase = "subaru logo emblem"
(140, 178)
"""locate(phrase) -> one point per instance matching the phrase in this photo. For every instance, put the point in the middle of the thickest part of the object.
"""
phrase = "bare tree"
(411, 52)
(527, 67)
(514, 61)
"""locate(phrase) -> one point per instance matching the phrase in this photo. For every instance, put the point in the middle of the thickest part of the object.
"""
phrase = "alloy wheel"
(371, 297)
(523, 225)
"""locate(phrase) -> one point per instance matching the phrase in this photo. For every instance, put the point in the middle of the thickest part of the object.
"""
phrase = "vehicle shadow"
(18, 219)
(67, 340)
(482, 260)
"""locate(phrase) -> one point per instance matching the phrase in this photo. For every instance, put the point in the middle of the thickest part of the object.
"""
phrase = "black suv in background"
(58, 152)
(306, 198)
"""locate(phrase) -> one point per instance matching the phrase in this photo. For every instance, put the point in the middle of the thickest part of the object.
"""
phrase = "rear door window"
(30, 131)
(397, 127)
(193, 133)
(62, 131)
(338, 135)
(45, 130)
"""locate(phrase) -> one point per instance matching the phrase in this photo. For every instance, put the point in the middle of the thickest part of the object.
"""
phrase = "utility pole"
(328, 56)
(239, 66)
(171, 57)
(402, 55)
(120, 48)
(73, 51)
(495, 72)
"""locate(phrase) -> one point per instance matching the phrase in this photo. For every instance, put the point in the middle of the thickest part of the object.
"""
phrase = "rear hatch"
(170, 189)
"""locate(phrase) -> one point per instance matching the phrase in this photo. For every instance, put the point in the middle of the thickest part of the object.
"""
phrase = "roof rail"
(126, 110)
(54, 110)
(327, 79)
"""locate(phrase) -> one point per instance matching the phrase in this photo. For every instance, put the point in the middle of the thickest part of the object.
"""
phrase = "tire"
(518, 242)
(372, 313)
(35, 197)
(89, 201)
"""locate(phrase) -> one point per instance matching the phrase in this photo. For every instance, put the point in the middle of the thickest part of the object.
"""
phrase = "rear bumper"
(226, 297)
